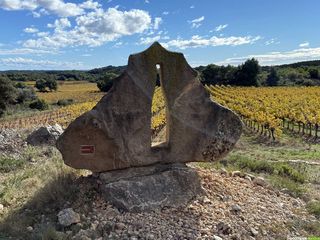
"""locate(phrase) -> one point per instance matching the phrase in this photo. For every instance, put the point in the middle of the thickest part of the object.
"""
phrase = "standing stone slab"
(116, 133)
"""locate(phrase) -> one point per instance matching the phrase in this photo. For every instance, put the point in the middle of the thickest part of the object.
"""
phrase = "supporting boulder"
(150, 188)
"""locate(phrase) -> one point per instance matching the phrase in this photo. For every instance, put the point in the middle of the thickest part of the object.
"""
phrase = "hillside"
(289, 74)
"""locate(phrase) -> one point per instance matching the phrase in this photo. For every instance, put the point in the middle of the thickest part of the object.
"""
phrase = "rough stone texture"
(117, 129)
(151, 188)
(67, 216)
(45, 135)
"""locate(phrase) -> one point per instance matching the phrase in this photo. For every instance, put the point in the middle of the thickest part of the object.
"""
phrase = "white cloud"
(118, 44)
(192, 6)
(90, 5)
(272, 41)
(94, 29)
(220, 27)
(28, 62)
(157, 22)
(36, 14)
(272, 58)
(149, 40)
(165, 13)
(60, 24)
(195, 23)
(18, 4)
(58, 7)
(304, 44)
(30, 30)
(25, 51)
(198, 41)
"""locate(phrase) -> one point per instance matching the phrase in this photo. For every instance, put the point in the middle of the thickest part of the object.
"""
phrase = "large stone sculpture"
(114, 138)
(116, 133)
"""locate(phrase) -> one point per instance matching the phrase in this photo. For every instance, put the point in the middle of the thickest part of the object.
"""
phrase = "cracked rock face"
(116, 133)
(150, 188)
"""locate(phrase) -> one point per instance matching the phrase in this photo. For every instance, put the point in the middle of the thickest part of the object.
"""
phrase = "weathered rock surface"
(10, 141)
(116, 133)
(151, 188)
(67, 216)
(45, 135)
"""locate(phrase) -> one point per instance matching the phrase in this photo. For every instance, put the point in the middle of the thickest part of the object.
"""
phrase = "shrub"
(7, 94)
(105, 83)
(26, 94)
(39, 104)
(64, 102)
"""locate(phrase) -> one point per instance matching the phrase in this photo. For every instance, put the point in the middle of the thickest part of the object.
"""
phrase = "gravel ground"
(234, 208)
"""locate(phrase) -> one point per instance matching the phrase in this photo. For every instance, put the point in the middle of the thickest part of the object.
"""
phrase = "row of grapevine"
(269, 110)
(61, 116)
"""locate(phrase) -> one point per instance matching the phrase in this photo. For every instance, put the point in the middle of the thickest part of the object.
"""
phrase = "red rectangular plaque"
(87, 149)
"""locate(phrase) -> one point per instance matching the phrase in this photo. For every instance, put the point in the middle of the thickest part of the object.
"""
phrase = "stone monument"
(114, 138)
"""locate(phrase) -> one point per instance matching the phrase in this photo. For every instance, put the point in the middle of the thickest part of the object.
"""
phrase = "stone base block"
(150, 188)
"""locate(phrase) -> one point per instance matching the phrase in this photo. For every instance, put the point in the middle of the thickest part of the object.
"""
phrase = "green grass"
(314, 208)
(30, 190)
(271, 160)
(272, 168)
(8, 164)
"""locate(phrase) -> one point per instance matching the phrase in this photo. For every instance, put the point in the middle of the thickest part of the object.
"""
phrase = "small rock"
(67, 216)
(29, 229)
(120, 226)
(224, 228)
(215, 237)
(250, 176)
(150, 236)
(295, 202)
(254, 232)
(1, 207)
(206, 200)
(236, 208)
(223, 171)
(260, 181)
(236, 174)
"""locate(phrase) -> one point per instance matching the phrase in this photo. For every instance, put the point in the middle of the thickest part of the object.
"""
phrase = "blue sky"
(66, 34)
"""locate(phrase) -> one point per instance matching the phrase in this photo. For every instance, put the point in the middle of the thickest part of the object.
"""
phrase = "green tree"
(7, 93)
(106, 82)
(52, 84)
(273, 78)
(314, 73)
(41, 85)
(210, 74)
(247, 73)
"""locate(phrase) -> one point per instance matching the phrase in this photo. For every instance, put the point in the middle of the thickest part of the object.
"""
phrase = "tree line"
(250, 73)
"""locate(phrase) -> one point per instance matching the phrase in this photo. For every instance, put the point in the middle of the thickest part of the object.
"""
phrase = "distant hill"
(313, 63)
(61, 75)
(304, 73)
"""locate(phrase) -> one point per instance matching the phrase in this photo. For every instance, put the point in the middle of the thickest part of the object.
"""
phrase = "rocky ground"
(235, 207)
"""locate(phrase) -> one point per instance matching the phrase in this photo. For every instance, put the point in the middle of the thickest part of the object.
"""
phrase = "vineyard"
(267, 111)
